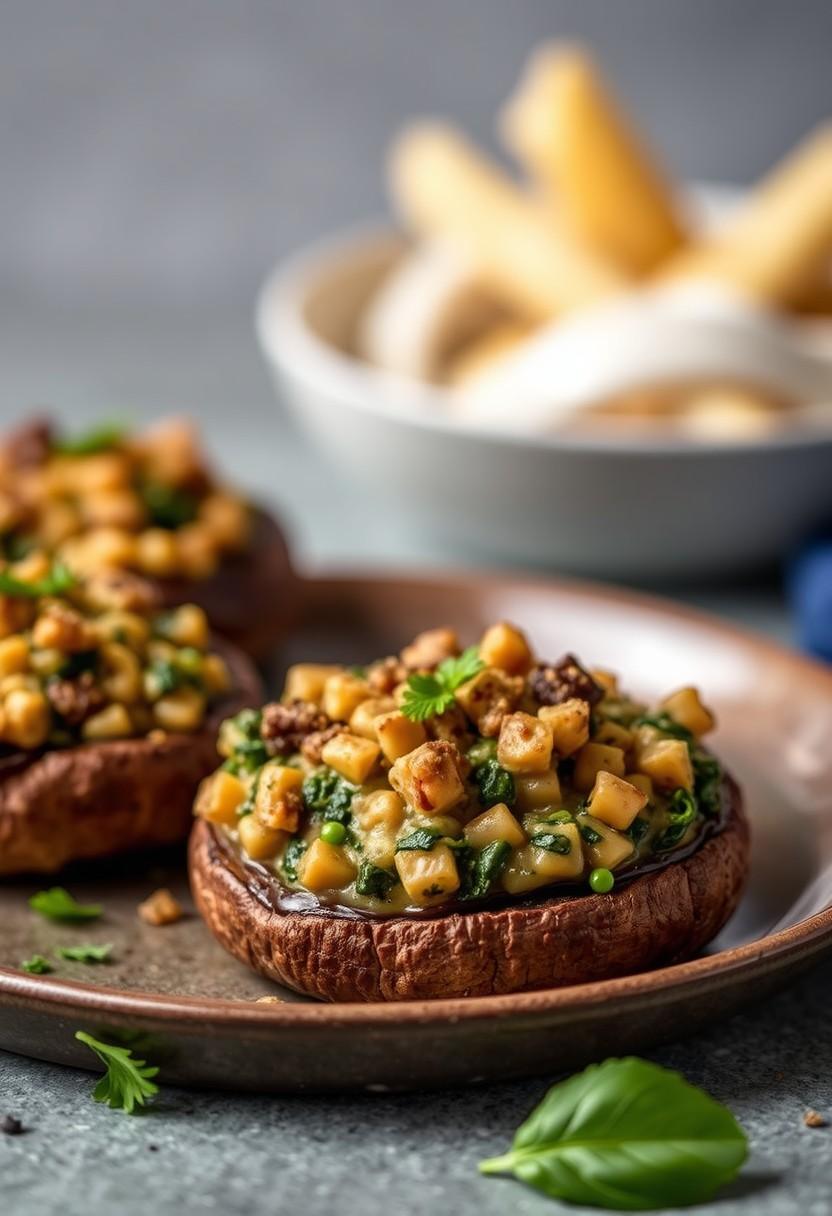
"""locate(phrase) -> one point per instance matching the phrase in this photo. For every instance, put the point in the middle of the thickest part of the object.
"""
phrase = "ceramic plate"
(193, 1010)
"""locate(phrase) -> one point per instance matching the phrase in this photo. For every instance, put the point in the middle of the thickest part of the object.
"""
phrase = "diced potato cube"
(687, 708)
(667, 762)
(398, 735)
(537, 790)
(615, 801)
(532, 866)
(569, 724)
(429, 778)
(277, 801)
(594, 758)
(605, 679)
(351, 756)
(497, 823)
(305, 681)
(613, 734)
(525, 744)
(610, 850)
(428, 876)
(14, 655)
(362, 719)
(325, 866)
(428, 649)
(452, 726)
(505, 646)
(380, 815)
(380, 807)
(488, 697)
(342, 694)
(219, 797)
(258, 840)
(642, 782)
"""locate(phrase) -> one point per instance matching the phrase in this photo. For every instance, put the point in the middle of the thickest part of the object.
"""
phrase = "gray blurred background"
(158, 155)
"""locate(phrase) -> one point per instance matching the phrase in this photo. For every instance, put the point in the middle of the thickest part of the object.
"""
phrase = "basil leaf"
(628, 1135)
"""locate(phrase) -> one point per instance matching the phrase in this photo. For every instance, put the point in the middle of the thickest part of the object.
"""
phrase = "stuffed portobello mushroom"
(453, 823)
(148, 503)
(109, 710)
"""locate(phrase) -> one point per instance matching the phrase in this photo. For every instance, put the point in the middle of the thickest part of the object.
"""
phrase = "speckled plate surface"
(194, 1010)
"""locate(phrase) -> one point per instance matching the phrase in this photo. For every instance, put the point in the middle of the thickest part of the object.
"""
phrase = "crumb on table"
(269, 1000)
(813, 1119)
(160, 908)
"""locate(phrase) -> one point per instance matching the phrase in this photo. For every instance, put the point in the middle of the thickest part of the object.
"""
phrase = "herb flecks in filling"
(447, 775)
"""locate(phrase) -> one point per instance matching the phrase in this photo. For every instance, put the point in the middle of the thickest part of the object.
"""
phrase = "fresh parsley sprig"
(427, 696)
(58, 581)
(86, 953)
(626, 1134)
(127, 1082)
(37, 965)
(58, 904)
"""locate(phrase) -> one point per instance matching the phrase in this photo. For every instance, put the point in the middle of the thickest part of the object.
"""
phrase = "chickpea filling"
(441, 775)
(109, 499)
(82, 662)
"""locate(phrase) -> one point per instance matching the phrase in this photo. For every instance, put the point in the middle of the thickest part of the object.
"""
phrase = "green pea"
(602, 881)
(333, 832)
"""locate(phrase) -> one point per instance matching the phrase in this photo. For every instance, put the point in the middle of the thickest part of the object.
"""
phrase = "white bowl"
(635, 507)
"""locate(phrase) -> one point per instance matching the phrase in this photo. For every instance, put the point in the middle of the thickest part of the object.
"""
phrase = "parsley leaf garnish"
(126, 1083)
(37, 965)
(427, 696)
(86, 953)
(58, 904)
(59, 580)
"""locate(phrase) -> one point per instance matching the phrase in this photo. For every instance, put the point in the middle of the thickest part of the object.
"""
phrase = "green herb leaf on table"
(59, 580)
(58, 904)
(86, 953)
(626, 1135)
(427, 696)
(127, 1082)
(101, 438)
(37, 965)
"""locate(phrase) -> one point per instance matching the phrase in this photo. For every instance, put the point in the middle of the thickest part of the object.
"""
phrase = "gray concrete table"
(198, 1152)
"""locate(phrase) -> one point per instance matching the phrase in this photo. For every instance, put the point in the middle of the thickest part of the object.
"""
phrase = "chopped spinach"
(589, 834)
(495, 784)
(76, 664)
(421, 838)
(168, 506)
(479, 869)
(560, 817)
(665, 724)
(101, 438)
(680, 816)
(166, 675)
(707, 781)
(328, 796)
(638, 829)
(374, 881)
(482, 751)
(552, 842)
(295, 849)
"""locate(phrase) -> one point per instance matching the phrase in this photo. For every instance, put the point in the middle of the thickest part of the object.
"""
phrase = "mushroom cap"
(115, 796)
(664, 916)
